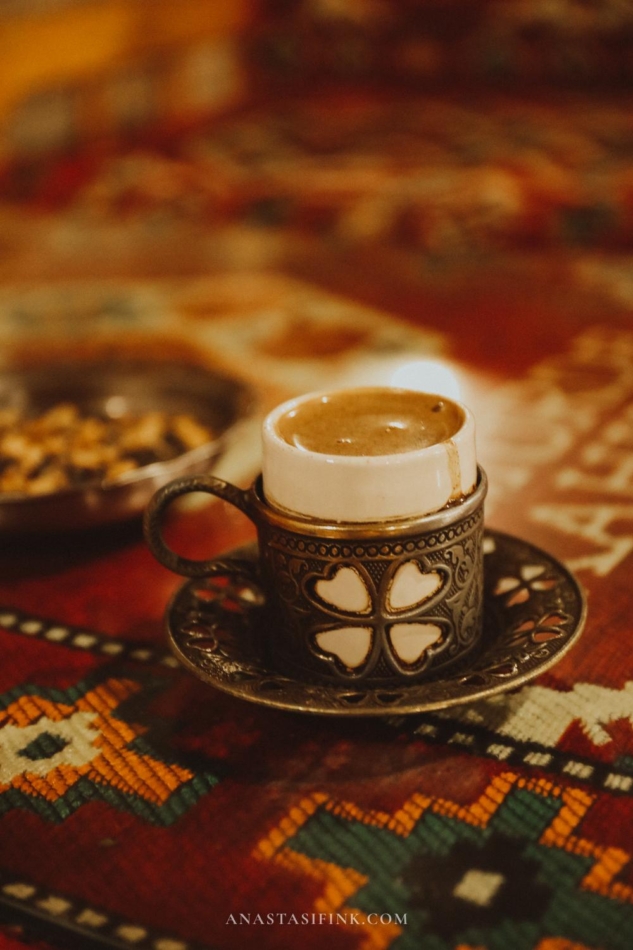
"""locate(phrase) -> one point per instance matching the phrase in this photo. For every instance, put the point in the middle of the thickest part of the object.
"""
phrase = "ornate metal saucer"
(534, 611)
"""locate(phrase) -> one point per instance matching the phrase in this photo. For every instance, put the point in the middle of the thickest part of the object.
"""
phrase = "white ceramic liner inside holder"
(367, 488)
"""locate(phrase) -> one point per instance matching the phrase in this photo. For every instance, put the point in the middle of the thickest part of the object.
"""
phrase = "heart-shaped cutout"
(350, 645)
(410, 641)
(411, 586)
(346, 591)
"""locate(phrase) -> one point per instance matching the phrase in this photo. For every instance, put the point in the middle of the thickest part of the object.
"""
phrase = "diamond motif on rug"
(62, 748)
(507, 870)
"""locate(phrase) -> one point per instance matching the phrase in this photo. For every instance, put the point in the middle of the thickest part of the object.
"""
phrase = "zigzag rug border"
(35, 627)
(76, 925)
(477, 741)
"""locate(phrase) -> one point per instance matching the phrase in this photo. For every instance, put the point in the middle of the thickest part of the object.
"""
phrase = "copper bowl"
(137, 386)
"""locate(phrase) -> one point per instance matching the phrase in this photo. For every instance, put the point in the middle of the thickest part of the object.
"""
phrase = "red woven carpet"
(140, 808)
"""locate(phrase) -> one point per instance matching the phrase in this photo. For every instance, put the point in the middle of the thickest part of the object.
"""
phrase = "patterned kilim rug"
(140, 808)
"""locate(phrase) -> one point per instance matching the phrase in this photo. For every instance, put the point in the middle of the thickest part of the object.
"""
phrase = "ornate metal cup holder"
(534, 610)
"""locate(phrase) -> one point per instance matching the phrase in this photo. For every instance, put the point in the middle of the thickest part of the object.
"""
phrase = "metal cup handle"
(153, 520)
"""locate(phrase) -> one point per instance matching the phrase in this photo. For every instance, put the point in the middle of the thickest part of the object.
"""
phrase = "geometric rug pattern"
(60, 749)
(138, 808)
(500, 872)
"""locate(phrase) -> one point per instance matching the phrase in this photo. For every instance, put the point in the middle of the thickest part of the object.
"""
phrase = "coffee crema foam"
(371, 421)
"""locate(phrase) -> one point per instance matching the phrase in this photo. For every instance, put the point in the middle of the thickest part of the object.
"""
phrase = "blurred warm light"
(431, 376)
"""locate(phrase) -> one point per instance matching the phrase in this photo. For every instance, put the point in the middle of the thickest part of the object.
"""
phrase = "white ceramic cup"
(373, 487)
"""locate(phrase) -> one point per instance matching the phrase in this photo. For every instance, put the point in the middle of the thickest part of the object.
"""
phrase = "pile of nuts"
(67, 448)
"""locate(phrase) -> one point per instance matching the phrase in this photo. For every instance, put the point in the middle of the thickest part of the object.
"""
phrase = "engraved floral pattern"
(373, 609)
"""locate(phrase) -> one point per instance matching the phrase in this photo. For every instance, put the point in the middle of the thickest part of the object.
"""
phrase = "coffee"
(368, 454)
(371, 421)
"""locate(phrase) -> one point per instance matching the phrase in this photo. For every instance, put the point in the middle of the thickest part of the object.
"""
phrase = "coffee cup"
(369, 516)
